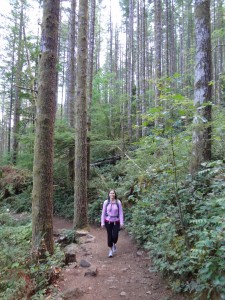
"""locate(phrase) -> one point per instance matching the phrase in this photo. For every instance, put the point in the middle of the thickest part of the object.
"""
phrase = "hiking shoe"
(114, 248)
(110, 253)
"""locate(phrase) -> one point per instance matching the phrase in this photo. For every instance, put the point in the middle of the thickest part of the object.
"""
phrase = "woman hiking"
(112, 219)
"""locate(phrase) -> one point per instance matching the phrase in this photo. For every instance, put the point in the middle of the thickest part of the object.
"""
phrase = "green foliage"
(20, 276)
(64, 202)
(18, 286)
(13, 239)
(105, 117)
(177, 218)
(102, 148)
(13, 181)
(25, 156)
(193, 255)
(43, 270)
(22, 202)
(94, 212)
(15, 245)
(218, 133)
(64, 138)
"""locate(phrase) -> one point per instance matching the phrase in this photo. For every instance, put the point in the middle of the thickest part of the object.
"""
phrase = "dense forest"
(93, 98)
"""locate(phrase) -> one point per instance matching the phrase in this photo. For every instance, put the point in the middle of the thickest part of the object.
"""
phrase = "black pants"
(112, 232)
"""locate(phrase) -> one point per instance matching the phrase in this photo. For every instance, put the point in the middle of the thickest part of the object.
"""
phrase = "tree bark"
(90, 78)
(80, 184)
(71, 98)
(130, 69)
(11, 93)
(203, 90)
(17, 104)
(138, 100)
(158, 45)
(42, 205)
(142, 65)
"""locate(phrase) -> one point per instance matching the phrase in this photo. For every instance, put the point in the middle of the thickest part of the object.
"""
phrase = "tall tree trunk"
(220, 54)
(17, 104)
(130, 69)
(158, 45)
(142, 64)
(138, 100)
(168, 29)
(3, 123)
(203, 90)
(188, 46)
(172, 43)
(110, 67)
(90, 77)
(31, 86)
(71, 85)
(11, 93)
(181, 50)
(80, 184)
(42, 205)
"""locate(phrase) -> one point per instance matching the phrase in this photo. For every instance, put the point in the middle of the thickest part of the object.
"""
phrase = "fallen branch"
(105, 161)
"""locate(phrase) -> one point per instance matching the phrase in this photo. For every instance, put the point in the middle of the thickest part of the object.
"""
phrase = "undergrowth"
(20, 276)
(176, 217)
(190, 251)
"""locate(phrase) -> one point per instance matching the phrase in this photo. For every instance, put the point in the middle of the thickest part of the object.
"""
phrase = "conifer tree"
(203, 90)
(80, 184)
(42, 195)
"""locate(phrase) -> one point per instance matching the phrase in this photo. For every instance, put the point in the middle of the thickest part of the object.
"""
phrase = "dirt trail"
(127, 275)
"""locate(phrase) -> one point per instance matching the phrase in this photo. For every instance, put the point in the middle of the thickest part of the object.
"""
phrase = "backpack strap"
(117, 207)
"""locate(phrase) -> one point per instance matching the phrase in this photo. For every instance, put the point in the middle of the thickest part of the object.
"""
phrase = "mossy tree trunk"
(71, 83)
(17, 103)
(158, 51)
(80, 183)
(130, 69)
(91, 44)
(203, 89)
(42, 202)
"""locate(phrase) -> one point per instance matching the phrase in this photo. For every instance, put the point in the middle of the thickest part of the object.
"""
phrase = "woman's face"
(112, 194)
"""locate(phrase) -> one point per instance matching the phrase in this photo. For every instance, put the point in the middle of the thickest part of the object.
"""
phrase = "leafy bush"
(14, 256)
(20, 203)
(188, 247)
(64, 202)
(13, 181)
(177, 218)
(18, 285)
(20, 276)
(44, 271)
(94, 212)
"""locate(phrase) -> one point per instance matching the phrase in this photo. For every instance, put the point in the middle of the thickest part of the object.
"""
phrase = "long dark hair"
(114, 192)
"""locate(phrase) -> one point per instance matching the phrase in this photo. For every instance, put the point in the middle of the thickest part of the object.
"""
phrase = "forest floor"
(95, 276)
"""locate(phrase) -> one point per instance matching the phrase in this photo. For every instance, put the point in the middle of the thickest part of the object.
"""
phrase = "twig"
(27, 89)
(130, 159)
(218, 46)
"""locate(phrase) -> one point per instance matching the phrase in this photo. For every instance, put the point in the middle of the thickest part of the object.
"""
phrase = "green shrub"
(64, 202)
(43, 271)
(184, 231)
(13, 181)
(94, 212)
(14, 255)
(20, 276)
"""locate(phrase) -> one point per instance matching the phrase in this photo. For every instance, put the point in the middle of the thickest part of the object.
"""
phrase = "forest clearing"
(112, 113)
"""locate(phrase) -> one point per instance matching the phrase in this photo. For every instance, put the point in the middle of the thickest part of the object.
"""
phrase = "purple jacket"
(110, 212)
